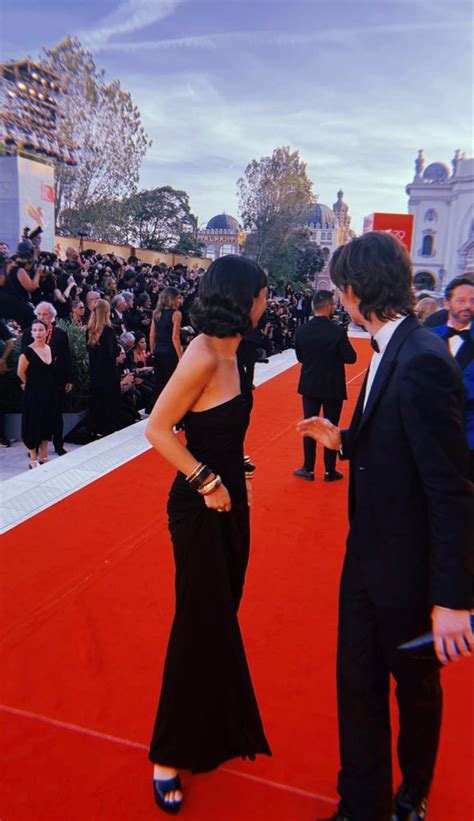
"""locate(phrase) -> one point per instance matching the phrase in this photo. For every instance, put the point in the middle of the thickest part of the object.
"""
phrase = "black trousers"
(332, 411)
(369, 635)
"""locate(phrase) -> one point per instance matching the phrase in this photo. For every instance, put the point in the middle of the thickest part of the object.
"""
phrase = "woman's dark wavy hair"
(378, 267)
(225, 296)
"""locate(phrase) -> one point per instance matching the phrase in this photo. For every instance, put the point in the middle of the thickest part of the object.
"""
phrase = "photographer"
(22, 279)
(47, 290)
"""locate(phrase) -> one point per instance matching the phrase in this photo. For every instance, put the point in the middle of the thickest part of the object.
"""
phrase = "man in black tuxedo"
(58, 341)
(408, 564)
(322, 347)
(458, 333)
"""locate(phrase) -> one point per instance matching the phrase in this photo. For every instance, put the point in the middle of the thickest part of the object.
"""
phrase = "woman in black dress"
(35, 370)
(103, 350)
(165, 341)
(208, 712)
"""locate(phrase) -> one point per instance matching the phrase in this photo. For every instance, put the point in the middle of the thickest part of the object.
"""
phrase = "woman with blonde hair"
(103, 350)
(165, 340)
(425, 307)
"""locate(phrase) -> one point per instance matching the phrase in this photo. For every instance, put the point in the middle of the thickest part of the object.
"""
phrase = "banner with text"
(400, 225)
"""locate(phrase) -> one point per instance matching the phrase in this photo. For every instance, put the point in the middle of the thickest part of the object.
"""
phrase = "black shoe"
(333, 477)
(162, 788)
(405, 808)
(4, 443)
(301, 473)
(60, 451)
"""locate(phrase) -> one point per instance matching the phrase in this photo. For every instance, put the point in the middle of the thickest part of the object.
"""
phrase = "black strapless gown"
(208, 713)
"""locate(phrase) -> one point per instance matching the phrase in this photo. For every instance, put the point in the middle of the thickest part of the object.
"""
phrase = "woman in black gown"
(165, 341)
(208, 712)
(35, 371)
(104, 376)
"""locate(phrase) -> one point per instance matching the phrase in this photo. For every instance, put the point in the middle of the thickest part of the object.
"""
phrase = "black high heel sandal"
(162, 788)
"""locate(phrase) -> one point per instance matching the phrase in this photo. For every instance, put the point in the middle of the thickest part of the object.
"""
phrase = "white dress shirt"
(455, 342)
(382, 337)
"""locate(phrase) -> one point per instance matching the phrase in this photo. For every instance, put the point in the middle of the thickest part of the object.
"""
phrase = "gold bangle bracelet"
(212, 485)
(197, 470)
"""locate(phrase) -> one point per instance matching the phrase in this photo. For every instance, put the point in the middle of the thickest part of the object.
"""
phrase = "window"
(469, 264)
(423, 280)
(427, 246)
(323, 235)
(329, 234)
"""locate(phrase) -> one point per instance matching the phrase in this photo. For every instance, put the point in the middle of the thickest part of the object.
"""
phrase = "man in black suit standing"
(322, 347)
(408, 563)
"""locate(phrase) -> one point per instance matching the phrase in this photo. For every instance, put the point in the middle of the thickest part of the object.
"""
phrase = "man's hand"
(322, 430)
(3, 366)
(452, 634)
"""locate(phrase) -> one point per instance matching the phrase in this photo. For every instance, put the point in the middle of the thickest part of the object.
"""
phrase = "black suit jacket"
(323, 347)
(410, 503)
(61, 353)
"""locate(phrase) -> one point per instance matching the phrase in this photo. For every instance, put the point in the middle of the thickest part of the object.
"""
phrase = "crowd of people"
(136, 322)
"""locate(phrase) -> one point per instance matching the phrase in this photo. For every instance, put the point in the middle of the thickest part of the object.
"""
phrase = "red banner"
(400, 225)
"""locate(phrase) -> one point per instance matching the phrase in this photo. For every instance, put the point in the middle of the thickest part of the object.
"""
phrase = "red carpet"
(86, 604)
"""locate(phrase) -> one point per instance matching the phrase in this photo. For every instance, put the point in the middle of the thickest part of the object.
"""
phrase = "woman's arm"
(175, 337)
(22, 368)
(152, 336)
(26, 282)
(193, 375)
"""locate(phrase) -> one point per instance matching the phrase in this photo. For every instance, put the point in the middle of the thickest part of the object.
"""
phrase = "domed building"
(222, 235)
(329, 228)
(442, 200)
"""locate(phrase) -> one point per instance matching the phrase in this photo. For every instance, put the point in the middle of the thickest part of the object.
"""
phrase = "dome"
(436, 172)
(321, 215)
(223, 222)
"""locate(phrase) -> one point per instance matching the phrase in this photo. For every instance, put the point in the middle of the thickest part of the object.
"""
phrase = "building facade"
(442, 201)
(329, 228)
(222, 235)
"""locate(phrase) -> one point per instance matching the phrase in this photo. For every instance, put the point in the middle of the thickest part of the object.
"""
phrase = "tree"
(156, 218)
(103, 121)
(104, 221)
(273, 194)
(309, 260)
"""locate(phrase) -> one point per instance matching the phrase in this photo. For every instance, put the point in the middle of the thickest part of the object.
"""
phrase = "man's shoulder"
(425, 351)
(439, 330)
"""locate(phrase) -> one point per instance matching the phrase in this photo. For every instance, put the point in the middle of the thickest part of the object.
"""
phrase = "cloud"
(330, 36)
(130, 16)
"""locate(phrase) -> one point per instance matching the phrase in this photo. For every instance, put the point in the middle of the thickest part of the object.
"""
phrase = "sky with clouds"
(357, 86)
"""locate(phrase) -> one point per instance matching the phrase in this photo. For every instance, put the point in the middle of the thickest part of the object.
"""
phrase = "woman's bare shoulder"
(199, 356)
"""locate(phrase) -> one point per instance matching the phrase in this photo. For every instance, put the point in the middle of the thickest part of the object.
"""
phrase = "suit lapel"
(465, 354)
(387, 366)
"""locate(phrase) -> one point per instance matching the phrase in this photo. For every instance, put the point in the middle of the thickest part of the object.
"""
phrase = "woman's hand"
(248, 485)
(218, 499)
(322, 430)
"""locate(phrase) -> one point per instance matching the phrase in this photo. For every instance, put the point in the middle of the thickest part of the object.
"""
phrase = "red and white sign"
(400, 225)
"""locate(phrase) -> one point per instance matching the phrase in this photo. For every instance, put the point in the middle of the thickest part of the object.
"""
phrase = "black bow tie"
(465, 334)
(374, 344)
